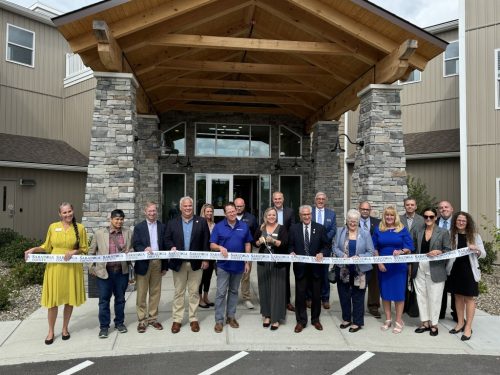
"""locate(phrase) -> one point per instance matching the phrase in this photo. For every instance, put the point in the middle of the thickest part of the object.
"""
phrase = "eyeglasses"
(365, 209)
(239, 206)
(429, 217)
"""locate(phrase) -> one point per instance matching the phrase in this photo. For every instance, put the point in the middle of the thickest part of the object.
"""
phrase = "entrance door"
(219, 192)
(7, 208)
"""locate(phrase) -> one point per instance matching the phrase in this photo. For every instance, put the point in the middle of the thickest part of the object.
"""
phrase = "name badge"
(58, 229)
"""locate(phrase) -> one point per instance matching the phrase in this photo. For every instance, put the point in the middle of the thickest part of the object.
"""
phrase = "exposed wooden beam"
(223, 108)
(237, 85)
(210, 97)
(348, 24)
(140, 21)
(249, 44)
(394, 66)
(234, 67)
(109, 51)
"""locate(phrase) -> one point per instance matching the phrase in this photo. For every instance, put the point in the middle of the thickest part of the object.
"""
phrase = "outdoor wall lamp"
(296, 165)
(178, 163)
(338, 148)
(164, 149)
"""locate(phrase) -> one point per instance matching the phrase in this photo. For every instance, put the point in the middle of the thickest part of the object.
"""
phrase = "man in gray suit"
(410, 219)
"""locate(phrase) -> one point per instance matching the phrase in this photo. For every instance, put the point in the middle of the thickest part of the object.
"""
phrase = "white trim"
(162, 137)
(497, 77)
(454, 58)
(19, 45)
(378, 86)
(347, 199)
(77, 78)
(38, 5)
(442, 27)
(435, 155)
(400, 82)
(497, 185)
(462, 85)
(53, 167)
(279, 143)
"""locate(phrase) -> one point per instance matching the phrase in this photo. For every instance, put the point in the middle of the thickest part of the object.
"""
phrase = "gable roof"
(308, 58)
(22, 149)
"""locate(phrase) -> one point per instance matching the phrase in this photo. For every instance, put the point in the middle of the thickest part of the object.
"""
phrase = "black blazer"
(318, 244)
(288, 218)
(200, 237)
(282, 249)
(141, 240)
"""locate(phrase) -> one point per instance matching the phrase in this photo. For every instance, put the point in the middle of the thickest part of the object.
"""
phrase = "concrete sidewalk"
(23, 341)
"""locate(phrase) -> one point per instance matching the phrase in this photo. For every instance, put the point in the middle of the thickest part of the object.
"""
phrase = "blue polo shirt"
(233, 239)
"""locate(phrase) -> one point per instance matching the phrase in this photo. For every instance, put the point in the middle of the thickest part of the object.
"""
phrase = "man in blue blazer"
(286, 217)
(327, 218)
(307, 238)
(149, 236)
(190, 233)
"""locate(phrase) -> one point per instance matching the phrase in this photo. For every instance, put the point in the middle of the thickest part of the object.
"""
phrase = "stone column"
(112, 175)
(379, 173)
(328, 167)
(147, 154)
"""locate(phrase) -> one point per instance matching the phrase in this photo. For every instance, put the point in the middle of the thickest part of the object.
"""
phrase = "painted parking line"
(77, 368)
(353, 364)
(224, 363)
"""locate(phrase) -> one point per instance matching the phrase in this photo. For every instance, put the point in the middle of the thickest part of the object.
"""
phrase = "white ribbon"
(249, 257)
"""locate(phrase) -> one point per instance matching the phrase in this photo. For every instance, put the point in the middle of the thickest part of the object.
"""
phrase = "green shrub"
(486, 263)
(7, 235)
(418, 190)
(13, 252)
(28, 274)
(5, 290)
(483, 288)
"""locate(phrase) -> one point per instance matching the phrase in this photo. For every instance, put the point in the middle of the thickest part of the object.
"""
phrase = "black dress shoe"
(434, 331)
(466, 338)
(203, 306)
(266, 325)
(352, 329)
(455, 331)
(66, 337)
(345, 325)
(422, 329)
(49, 341)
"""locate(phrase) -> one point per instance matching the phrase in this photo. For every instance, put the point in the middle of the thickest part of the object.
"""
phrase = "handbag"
(332, 277)
(411, 305)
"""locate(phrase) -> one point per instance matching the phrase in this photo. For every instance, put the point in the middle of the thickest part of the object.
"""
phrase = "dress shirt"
(153, 235)
(320, 215)
(118, 236)
(187, 229)
(365, 224)
(447, 221)
(280, 215)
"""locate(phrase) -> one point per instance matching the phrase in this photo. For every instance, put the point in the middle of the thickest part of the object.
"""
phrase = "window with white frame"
(290, 143)
(497, 79)
(174, 138)
(20, 46)
(76, 71)
(414, 77)
(451, 55)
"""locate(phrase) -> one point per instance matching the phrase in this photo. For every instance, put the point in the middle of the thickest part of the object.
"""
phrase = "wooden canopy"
(308, 58)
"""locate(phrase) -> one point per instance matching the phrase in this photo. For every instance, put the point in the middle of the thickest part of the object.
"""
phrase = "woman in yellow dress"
(63, 282)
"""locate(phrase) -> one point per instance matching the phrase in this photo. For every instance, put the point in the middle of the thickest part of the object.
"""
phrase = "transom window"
(175, 139)
(290, 143)
(232, 140)
(415, 76)
(20, 46)
(451, 59)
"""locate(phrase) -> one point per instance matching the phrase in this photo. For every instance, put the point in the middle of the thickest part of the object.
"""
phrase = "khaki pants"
(151, 282)
(245, 286)
(186, 277)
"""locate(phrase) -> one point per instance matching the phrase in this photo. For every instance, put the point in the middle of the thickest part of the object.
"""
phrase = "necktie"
(445, 224)
(365, 224)
(320, 217)
(306, 240)
(410, 222)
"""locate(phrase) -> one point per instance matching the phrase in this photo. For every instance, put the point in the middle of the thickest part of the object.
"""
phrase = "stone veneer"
(379, 173)
(112, 177)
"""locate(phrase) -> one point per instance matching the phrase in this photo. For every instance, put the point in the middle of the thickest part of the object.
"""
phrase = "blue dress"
(392, 283)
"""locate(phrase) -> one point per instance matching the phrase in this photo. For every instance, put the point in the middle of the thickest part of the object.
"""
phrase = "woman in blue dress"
(392, 238)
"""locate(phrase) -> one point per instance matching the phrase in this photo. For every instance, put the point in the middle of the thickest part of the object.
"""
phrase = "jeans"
(116, 284)
(227, 283)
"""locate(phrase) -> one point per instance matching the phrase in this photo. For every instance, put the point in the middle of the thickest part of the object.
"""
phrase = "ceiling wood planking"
(238, 109)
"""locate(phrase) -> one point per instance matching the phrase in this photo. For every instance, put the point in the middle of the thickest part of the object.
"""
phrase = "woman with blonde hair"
(392, 238)
(207, 212)
(62, 282)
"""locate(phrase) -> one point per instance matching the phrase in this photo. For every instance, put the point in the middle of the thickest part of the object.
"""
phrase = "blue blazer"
(364, 246)
(200, 237)
(329, 222)
(141, 240)
(318, 243)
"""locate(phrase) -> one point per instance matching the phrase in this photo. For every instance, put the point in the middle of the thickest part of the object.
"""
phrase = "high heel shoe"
(386, 326)
(466, 338)
(49, 341)
(455, 331)
(266, 324)
(275, 326)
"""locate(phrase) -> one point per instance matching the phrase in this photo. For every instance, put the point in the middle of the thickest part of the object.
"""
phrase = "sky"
(420, 12)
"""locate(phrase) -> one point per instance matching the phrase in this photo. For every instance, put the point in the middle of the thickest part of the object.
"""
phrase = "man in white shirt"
(445, 209)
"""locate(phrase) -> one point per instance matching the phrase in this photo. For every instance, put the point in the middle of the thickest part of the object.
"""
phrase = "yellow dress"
(63, 282)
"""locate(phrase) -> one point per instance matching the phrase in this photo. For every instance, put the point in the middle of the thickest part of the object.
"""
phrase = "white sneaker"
(249, 305)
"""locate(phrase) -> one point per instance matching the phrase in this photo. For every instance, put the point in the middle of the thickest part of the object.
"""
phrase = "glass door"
(219, 191)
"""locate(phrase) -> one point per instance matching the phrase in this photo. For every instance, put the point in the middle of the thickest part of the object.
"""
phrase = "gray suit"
(418, 223)
(440, 240)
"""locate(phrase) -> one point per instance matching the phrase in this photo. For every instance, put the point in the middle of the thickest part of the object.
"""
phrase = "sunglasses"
(429, 217)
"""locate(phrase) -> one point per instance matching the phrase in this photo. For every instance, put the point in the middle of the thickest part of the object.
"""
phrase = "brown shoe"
(156, 325)
(218, 327)
(141, 328)
(232, 323)
(298, 328)
(176, 327)
(195, 326)
(326, 305)
(290, 307)
(318, 326)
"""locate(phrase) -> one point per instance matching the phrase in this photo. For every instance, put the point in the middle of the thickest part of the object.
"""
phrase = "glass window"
(290, 143)
(415, 76)
(451, 59)
(175, 139)
(173, 189)
(20, 45)
(232, 140)
(291, 187)
(201, 191)
(265, 194)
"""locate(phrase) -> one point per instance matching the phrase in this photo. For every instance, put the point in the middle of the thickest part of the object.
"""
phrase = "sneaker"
(103, 333)
(249, 305)
(121, 328)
